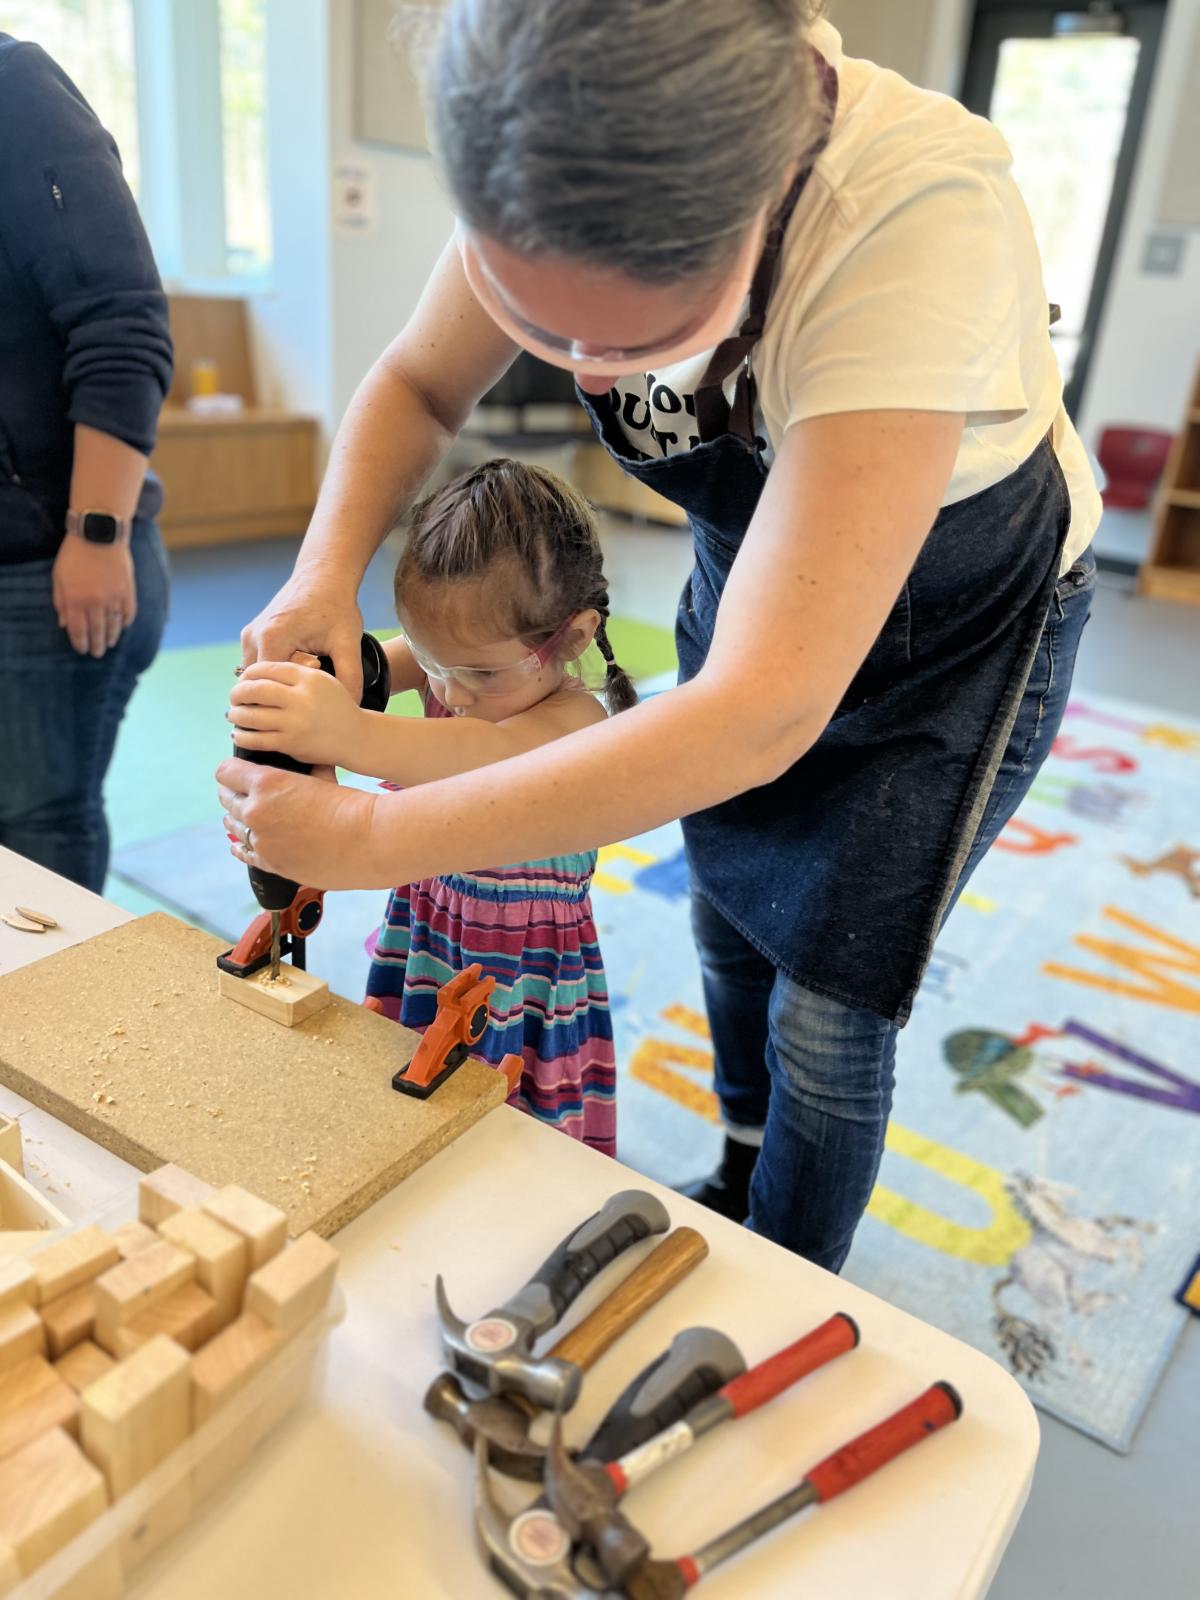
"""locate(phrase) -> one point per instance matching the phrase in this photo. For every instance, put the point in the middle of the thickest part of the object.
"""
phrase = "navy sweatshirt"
(83, 317)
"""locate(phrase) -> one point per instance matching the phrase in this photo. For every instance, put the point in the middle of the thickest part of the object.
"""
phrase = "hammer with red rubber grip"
(935, 1409)
(738, 1398)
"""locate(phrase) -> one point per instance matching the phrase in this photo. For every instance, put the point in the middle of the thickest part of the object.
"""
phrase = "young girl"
(500, 589)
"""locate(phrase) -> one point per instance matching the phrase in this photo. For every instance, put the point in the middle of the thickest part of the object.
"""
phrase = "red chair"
(1133, 460)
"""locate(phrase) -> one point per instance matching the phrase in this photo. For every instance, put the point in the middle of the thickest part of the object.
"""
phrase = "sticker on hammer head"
(539, 1538)
(490, 1334)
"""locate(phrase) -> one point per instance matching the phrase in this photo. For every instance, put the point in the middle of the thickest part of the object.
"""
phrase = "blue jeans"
(811, 1077)
(59, 713)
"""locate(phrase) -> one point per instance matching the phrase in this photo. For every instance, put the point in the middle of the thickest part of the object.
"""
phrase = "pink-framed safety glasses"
(575, 355)
(493, 680)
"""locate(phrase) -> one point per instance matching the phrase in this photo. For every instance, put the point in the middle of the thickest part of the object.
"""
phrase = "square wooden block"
(166, 1190)
(294, 1286)
(49, 1492)
(34, 1398)
(294, 996)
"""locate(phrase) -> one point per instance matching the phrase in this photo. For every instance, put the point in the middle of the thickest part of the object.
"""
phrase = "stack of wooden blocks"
(115, 1347)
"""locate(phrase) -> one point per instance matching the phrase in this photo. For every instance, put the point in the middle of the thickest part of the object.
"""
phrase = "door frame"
(997, 20)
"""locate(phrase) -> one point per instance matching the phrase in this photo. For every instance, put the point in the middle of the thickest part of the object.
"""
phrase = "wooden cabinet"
(250, 476)
(1173, 570)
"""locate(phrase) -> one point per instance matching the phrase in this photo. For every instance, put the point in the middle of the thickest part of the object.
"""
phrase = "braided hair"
(533, 540)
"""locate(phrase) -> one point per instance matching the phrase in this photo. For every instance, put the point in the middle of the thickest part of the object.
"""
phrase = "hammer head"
(494, 1356)
(503, 1427)
(531, 1552)
(586, 1502)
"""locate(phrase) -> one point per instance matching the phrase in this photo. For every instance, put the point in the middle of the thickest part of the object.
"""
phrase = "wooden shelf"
(1173, 569)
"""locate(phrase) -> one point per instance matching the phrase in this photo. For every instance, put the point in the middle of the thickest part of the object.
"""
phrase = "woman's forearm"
(690, 748)
(387, 445)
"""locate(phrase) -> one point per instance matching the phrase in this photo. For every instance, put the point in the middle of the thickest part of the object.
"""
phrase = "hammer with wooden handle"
(505, 1421)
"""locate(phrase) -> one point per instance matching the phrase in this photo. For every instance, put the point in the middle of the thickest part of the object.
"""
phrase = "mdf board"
(304, 1117)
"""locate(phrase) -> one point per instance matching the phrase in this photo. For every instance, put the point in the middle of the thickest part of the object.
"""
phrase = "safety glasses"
(574, 355)
(493, 680)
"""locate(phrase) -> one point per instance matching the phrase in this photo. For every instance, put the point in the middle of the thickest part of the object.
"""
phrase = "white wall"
(378, 274)
(1149, 339)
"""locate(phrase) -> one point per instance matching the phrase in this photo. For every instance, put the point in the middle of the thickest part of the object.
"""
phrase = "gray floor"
(1098, 1526)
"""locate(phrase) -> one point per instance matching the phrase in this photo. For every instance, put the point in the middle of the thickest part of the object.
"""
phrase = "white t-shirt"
(909, 279)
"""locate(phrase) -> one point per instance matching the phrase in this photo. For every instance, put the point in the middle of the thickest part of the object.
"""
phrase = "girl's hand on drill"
(307, 828)
(281, 705)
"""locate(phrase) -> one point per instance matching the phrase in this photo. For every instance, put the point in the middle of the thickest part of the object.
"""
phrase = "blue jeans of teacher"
(59, 713)
(814, 1077)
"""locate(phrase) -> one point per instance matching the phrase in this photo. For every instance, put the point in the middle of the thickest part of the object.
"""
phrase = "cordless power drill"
(274, 893)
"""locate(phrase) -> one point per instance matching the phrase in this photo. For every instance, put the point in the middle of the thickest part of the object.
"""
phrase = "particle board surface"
(306, 1117)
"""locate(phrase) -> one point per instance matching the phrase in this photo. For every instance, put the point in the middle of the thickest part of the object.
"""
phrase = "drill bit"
(273, 974)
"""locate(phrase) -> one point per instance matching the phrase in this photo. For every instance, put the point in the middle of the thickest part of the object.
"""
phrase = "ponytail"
(619, 692)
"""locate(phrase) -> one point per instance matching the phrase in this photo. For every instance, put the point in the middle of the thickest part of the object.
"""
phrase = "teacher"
(803, 300)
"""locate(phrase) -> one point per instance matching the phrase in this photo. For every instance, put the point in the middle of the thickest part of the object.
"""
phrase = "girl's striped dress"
(530, 927)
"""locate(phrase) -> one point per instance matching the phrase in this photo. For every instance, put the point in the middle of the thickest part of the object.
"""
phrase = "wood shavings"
(334, 1081)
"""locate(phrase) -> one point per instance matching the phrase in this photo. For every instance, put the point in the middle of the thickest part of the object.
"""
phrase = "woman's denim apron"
(841, 871)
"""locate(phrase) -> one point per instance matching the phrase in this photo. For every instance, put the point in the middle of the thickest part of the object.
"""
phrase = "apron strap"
(714, 413)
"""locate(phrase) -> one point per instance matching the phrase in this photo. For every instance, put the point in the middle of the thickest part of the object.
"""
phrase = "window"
(92, 41)
(184, 83)
(244, 135)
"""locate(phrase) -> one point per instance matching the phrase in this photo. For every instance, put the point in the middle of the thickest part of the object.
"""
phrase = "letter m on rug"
(1155, 965)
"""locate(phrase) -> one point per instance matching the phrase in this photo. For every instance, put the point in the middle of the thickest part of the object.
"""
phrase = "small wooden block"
(10, 1144)
(189, 1316)
(293, 1286)
(69, 1320)
(22, 1207)
(50, 1492)
(21, 1335)
(228, 1362)
(222, 1259)
(83, 1364)
(293, 997)
(67, 1263)
(133, 1286)
(131, 1237)
(135, 1416)
(17, 1284)
(167, 1190)
(33, 1398)
(263, 1226)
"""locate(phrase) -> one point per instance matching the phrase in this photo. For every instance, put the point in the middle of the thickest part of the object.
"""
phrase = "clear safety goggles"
(493, 680)
(701, 334)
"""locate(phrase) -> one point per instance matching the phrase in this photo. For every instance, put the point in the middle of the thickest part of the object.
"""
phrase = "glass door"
(1068, 89)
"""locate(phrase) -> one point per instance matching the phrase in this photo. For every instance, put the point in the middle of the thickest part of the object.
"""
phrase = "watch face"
(100, 528)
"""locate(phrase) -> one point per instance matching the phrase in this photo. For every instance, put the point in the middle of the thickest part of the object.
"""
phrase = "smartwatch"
(99, 527)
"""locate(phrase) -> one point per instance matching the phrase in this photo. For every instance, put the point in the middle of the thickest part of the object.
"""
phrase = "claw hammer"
(505, 1421)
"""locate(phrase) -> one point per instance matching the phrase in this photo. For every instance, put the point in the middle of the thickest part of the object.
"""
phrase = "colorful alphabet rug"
(1040, 1193)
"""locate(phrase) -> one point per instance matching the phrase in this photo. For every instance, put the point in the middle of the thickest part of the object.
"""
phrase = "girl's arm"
(283, 705)
(846, 509)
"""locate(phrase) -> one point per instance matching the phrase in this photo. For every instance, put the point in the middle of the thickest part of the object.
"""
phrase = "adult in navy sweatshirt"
(85, 362)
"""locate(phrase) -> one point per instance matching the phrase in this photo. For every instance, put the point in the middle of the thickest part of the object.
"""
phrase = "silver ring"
(249, 845)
